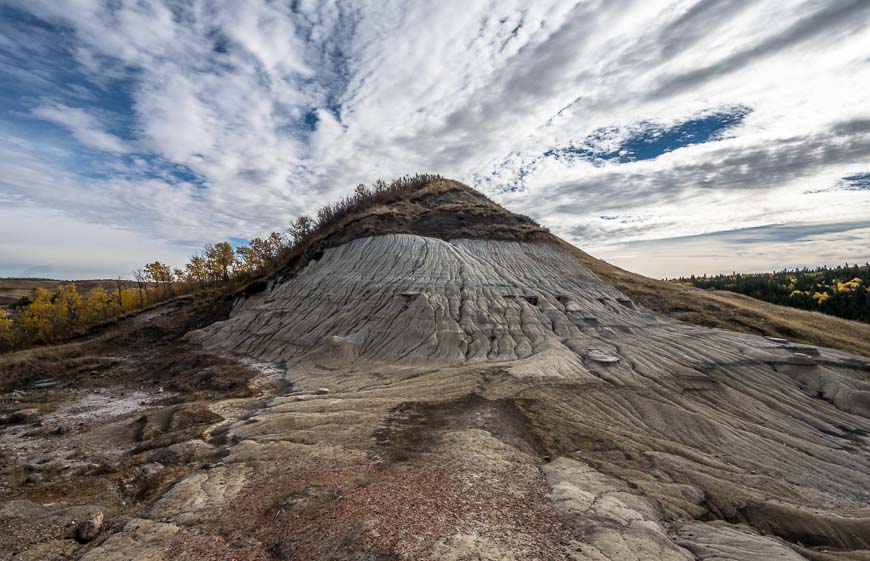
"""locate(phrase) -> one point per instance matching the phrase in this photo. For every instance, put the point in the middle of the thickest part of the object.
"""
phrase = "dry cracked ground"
(408, 398)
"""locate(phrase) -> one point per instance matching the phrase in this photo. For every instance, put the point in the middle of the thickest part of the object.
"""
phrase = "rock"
(45, 431)
(341, 348)
(140, 540)
(185, 452)
(23, 509)
(600, 356)
(90, 528)
(52, 550)
(30, 415)
(46, 466)
(720, 541)
(321, 391)
(800, 359)
(43, 384)
(803, 349)
(197, 492)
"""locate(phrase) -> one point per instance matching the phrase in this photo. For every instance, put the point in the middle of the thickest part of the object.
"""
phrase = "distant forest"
(838, 291)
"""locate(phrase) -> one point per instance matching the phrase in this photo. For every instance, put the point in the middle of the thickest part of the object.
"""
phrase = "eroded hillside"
(438, 379)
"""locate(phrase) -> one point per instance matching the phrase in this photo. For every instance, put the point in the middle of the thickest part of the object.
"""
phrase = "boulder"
(30, 415)
(90, 528)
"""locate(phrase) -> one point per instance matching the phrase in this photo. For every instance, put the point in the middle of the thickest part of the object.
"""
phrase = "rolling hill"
(12, 290)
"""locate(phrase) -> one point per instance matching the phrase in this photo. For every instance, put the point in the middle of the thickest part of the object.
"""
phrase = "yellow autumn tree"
(37, 318)
(821, 297)
(246, 259)
(97, 306)
(277, 243)
(220, 258)
(260, 253)
(68, 309)
(160, 274)
(847, 286)
(6, 329)
(130, 300)
(301, 229)
(197, 270)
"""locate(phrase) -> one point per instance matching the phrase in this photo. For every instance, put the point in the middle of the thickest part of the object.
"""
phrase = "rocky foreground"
(404, 397)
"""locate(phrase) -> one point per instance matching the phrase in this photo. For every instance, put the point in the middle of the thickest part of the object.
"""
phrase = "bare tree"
(139, 275)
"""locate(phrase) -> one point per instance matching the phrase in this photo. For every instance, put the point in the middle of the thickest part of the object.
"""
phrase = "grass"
(732, 311)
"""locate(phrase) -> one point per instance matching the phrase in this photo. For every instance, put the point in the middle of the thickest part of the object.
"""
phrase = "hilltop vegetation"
(422, 204)
(842, 291)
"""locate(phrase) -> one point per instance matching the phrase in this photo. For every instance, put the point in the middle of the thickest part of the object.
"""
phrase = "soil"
(512, 405)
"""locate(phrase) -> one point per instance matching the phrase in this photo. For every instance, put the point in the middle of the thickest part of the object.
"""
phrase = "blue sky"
(647, 133)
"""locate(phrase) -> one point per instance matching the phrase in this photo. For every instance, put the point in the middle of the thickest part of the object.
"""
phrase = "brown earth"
(695, 444)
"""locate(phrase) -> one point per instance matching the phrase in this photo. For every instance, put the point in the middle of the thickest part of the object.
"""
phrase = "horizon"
(670, 139)
(682, 256)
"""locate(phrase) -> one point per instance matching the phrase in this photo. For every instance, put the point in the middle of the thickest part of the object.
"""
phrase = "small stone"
(90, 528)
(800, 359)
(24, 416)
(321, 391)
(44, 384)
(600, 356)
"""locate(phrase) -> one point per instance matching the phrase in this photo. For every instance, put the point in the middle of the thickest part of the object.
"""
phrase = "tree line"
(51, 316)
(842, 291)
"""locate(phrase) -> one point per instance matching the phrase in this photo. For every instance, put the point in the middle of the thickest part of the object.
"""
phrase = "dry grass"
(728, 310)
(442, 209)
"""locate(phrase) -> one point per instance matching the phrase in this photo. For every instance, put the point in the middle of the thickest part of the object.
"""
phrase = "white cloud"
(760, 249)
(61, 247)
(85, 127)
(472, 89)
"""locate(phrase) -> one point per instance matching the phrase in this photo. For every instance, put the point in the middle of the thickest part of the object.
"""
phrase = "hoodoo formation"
(442, 379)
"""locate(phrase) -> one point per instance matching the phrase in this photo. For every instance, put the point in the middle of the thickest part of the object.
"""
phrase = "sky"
(667, 137)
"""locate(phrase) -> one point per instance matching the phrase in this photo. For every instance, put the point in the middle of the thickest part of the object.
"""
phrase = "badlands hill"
(437, 378)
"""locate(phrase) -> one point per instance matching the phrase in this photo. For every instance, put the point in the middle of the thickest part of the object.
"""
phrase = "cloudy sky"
(668, 137)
